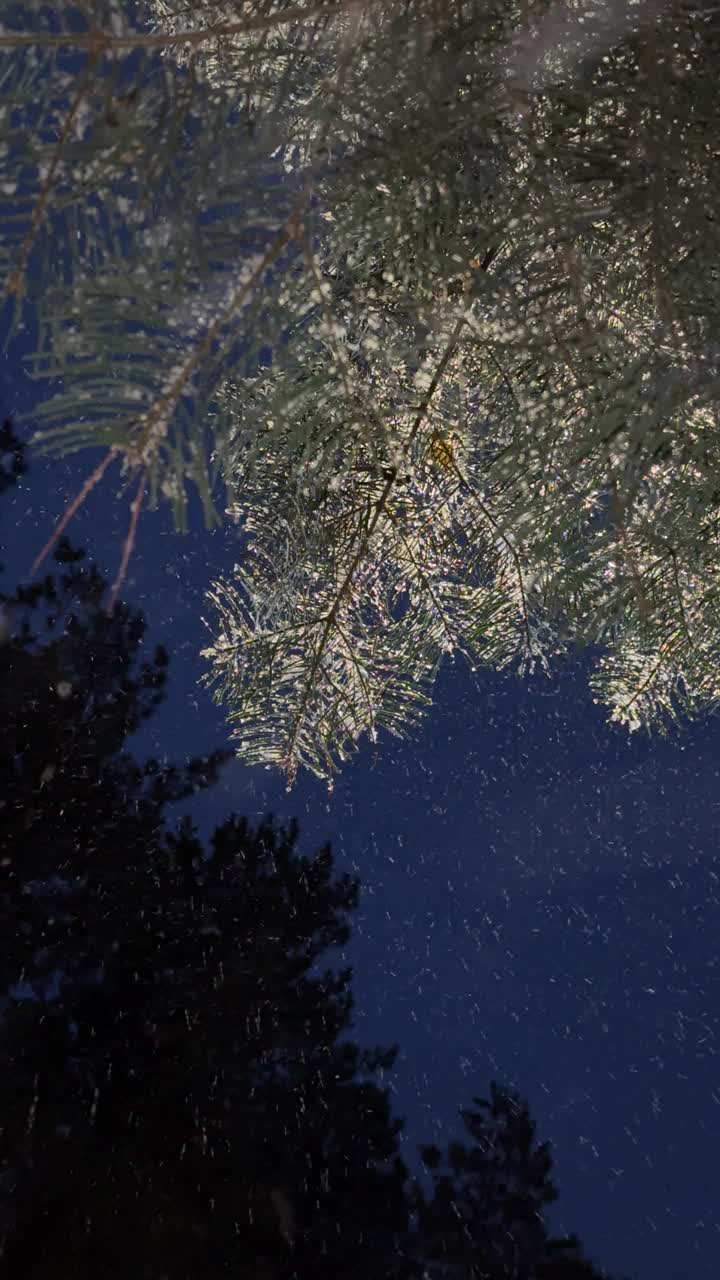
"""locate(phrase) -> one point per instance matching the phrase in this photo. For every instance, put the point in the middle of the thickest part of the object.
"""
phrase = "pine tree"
(74, 684)
(485, 1217)
(487, 281)
(192, 1102)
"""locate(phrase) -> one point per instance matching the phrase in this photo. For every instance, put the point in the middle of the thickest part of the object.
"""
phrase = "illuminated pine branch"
(426, 297)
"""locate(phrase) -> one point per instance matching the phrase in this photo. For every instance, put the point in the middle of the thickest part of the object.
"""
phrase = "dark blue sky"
(540, 899)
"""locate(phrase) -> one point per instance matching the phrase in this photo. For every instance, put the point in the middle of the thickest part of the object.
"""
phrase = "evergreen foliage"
(487, 282)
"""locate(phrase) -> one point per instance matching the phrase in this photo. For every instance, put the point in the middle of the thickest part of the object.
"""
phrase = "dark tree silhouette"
(12, 466)
(485, 1217)
(201, 1094)
(75, 807)
(180, 1093)
(12, 456)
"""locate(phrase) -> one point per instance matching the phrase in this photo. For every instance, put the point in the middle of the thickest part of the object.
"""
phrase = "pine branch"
(454, 640)
(154, 425)
(288, 760)
(96, 42)
(342, 186)
(16, 281)
(512, 551)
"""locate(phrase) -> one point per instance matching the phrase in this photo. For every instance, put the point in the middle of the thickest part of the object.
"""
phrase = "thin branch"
(663, 652)
(360, 675)
(16, 280)
(76, 503)
(128, 544)
(157, 419)
(678, 589)
(452, 639)
(616, 511)
(485, 511)
(288, 763)
(322, 289)
(97, 42)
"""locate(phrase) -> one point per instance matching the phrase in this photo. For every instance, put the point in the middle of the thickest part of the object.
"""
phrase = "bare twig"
(76, 503)
(128, 544)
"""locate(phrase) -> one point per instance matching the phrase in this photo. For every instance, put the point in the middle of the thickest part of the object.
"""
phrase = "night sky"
(540, 901)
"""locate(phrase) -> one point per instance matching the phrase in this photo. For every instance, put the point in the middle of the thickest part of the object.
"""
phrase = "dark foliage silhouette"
(485, 1216)
(12, 456)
